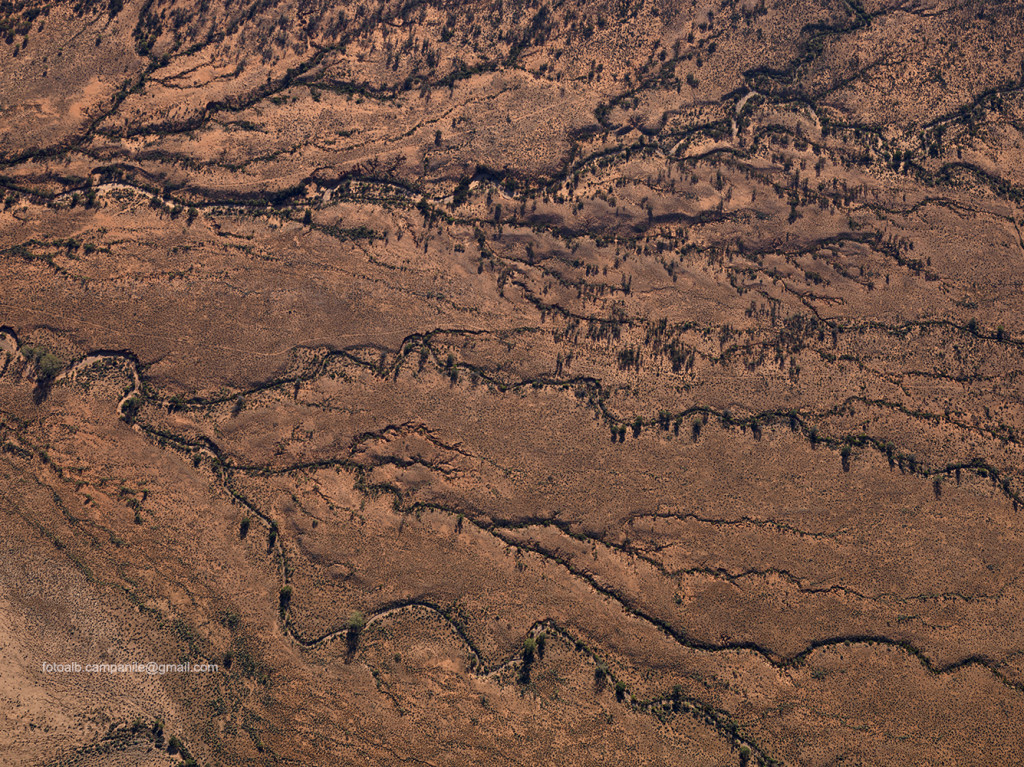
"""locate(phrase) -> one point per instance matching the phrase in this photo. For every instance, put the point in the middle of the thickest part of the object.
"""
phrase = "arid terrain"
(611, 382)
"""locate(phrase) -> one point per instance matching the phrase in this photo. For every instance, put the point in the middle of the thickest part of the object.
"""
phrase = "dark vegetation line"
(224, 468)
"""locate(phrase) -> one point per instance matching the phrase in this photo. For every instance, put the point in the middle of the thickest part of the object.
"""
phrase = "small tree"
(677, 698)
(130, 408)
(49, 366)
(354, 628)
(285, 596)
(529, 654)
(529, 650)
